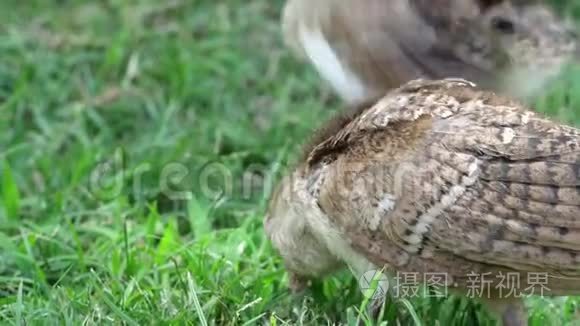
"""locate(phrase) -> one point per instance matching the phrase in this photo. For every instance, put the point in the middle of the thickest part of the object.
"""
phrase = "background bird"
(437, 177)
(365, 47)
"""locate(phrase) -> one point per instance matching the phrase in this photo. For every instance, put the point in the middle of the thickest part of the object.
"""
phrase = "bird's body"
(366, 47)
(437, 177)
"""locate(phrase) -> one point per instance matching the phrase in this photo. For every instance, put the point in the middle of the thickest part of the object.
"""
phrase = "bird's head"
(525, 42)
(288, 228)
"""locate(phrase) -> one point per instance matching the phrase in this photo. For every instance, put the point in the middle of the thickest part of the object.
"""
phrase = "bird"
(363, 48)
(436, 176)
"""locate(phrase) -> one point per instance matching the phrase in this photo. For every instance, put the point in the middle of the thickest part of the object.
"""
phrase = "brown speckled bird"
(436, 177)
(366, 47)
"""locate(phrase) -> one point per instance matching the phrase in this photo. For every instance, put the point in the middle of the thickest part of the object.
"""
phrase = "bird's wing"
(406, 104)
(521, 206)
(439, 175)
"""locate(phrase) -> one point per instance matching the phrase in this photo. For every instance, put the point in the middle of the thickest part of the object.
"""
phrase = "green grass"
(129, 131)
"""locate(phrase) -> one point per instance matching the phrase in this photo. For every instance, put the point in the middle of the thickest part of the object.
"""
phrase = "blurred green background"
(138, 142)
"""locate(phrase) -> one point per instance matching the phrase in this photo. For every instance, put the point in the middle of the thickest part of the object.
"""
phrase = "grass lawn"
(138, 141)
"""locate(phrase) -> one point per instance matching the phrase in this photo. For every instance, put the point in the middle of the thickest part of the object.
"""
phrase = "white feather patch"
(508, 135)
(385, 206)
(328, 64)
(415, 240)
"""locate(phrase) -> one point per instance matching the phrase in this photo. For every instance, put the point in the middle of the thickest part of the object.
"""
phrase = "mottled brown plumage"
(437, 176)
(366, 47)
